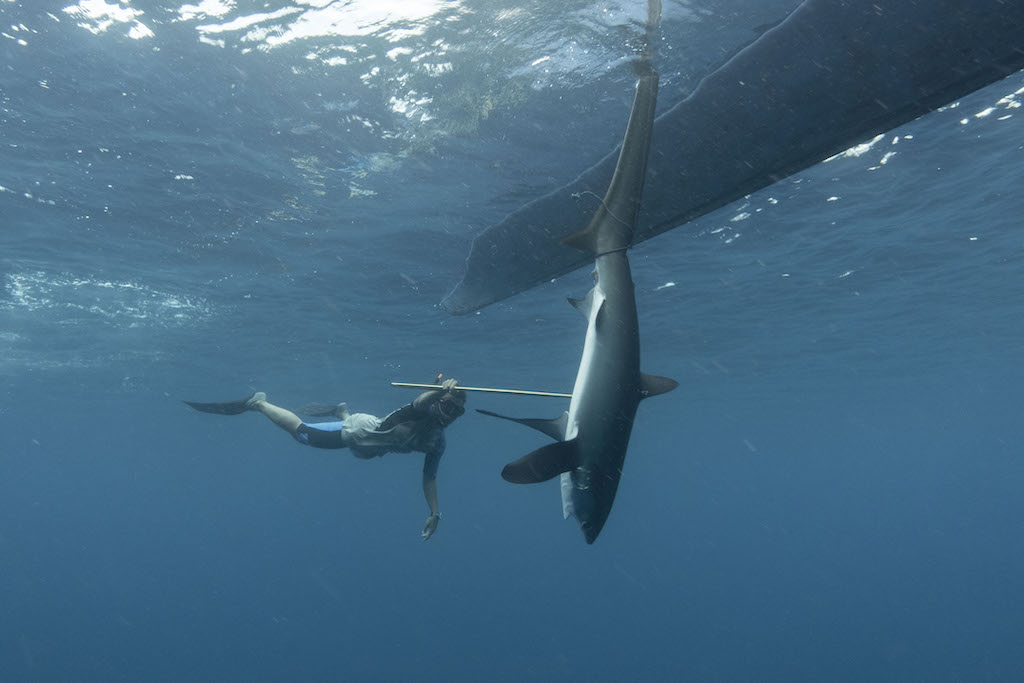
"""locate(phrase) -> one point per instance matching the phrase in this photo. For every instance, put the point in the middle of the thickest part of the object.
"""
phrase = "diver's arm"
(428, 398)
(430, 493)
(430, 465)
(423, 402)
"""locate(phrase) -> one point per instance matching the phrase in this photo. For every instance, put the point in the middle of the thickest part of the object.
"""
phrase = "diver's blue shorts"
(320, 435)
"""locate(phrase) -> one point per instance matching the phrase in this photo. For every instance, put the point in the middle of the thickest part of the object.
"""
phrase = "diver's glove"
(449, 387)
(431, 526)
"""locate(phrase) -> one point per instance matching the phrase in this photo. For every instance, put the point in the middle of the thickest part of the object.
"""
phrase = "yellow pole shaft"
(519, 392)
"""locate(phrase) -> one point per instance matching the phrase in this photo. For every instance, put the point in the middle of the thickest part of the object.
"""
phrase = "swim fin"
(227, 408)
(324, 409)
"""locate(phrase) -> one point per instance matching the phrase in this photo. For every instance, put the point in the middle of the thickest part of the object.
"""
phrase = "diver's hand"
(449, 384)
(253, 402)
(431, 526)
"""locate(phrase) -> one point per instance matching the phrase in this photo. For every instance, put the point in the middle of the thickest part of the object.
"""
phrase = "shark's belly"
(601, 420)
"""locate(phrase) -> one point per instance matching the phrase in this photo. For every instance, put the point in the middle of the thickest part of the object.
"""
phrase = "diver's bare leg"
(285, 419)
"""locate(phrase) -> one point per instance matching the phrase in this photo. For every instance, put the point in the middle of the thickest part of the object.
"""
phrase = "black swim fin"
(227, 408)
(321, 409)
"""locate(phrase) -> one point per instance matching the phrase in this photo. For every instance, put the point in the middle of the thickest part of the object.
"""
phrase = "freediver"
(418, 426)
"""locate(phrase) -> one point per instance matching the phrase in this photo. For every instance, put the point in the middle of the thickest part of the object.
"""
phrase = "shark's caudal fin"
(611, 228)
(652, 385)
(554, 428)
(543, 464)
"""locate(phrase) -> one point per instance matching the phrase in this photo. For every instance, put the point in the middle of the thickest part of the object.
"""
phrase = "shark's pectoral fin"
(587, 304)
(652, 385)
(554, 428)
(543, 464)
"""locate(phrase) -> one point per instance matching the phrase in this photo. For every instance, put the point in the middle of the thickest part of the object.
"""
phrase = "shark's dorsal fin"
(652, 385)
(554, 428)
(543, 464)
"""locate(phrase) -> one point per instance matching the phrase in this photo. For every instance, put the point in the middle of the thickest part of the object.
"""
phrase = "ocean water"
(200, 201)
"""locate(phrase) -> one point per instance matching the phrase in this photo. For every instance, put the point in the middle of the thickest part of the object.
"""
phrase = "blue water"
(206, 206)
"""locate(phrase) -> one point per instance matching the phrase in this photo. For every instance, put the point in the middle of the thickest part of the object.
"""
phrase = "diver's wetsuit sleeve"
(433, 458)
(424, 401)
(423, 406)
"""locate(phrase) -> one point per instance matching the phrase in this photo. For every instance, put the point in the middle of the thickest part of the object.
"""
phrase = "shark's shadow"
(833, 74)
